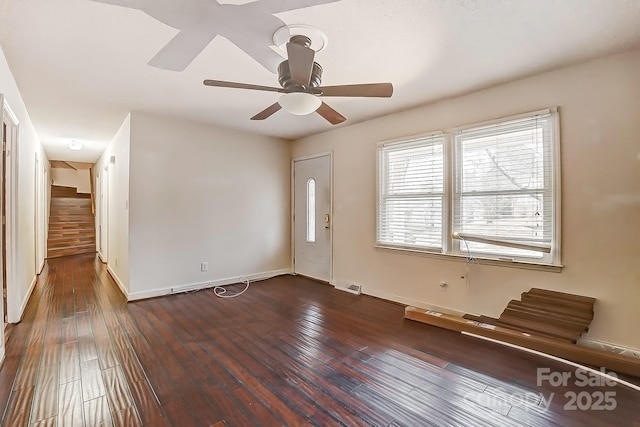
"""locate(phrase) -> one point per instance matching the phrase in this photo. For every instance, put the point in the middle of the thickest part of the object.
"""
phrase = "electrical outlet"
(204, 266)
(443, 286)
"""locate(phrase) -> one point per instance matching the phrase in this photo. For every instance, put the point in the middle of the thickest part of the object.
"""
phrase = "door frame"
(39, 211)
(11, 185)
(3, 261)
(293, 209)
(103, 227)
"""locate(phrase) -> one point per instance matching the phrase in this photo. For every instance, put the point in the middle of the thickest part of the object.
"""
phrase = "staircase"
(71, 223)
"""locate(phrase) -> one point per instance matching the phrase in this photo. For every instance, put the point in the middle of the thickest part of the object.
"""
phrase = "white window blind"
(411, 190)
(503, 198)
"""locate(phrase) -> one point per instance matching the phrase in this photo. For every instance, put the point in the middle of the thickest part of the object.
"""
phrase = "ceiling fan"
(300, 78)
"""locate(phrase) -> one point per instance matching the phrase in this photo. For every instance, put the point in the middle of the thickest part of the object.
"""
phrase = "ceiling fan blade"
(267, 112)
(331, 115)
(220, 83)
(300, 63)
(374, 90)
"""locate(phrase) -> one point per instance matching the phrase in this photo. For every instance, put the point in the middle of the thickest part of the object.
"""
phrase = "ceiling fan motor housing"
(300, 78)
(284, 77)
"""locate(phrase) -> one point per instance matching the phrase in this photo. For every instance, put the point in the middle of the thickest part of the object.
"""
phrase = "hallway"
(71, 356)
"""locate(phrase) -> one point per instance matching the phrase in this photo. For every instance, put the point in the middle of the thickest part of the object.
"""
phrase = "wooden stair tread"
(58, 191)
(71, 223)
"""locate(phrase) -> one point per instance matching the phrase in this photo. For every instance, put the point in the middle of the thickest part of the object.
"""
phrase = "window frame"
(382, 178)
(453, 247)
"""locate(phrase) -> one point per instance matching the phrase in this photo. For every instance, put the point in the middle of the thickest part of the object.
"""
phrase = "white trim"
(557, 187)
(2, 261)
(12, 174)
(504, 262)
(412, 302)
(25, 301)
(292, 220)
(311, 156)
(293, 234)
(116, 279)
(188, 287)
(409, 139)
(12, 116)
(607, 346)
(546, 111)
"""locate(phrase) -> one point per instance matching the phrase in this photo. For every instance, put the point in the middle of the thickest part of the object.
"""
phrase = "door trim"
(11, 184)
(103, 246)
(293, 206)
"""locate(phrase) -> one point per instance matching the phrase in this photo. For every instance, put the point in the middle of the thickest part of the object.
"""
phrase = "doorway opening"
(8, 226)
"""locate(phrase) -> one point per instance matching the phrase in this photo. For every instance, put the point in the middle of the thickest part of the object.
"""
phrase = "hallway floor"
(71, 356)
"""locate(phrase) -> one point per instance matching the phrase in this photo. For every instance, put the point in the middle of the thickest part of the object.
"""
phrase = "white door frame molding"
(103, 246)
(11, 183)
(293, 234)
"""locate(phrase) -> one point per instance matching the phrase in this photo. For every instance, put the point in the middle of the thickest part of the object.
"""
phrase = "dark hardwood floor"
(290, 351)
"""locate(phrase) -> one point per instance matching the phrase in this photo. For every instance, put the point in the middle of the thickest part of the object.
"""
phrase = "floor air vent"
(351, 288)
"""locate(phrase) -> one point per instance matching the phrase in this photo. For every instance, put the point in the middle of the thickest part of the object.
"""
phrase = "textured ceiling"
(82, 65)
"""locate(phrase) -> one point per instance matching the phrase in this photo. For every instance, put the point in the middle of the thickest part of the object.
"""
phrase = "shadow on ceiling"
(249, 26)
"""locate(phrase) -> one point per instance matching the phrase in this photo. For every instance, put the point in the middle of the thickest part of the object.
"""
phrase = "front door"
(312, 217)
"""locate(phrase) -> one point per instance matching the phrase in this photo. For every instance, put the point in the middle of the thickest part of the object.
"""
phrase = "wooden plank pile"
(542, 320)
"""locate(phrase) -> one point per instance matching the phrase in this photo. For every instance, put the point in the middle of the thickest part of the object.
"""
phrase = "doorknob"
(326, 221)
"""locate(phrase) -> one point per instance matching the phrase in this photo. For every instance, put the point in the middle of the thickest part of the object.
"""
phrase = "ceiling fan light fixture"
(299, 103)
(75, 145)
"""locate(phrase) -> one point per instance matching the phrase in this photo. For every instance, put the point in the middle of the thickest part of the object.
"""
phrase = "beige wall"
(200, 193)
(600, 141)
(79, 179)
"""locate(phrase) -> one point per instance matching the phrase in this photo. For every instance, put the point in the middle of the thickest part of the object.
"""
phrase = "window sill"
(482, 261)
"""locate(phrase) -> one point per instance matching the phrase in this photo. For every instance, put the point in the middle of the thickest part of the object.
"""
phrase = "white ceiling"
(82, 65)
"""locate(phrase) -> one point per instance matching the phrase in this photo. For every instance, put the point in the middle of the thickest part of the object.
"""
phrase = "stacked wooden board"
(545, 313)
(545, 321)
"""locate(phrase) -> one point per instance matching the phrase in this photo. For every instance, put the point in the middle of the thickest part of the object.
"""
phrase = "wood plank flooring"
(290, 351)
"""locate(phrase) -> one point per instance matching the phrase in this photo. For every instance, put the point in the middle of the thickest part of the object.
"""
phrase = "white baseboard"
(25, 301)
(412, 302)
(606, 346)
(101, 258)
(204, 285)
(116, 279)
